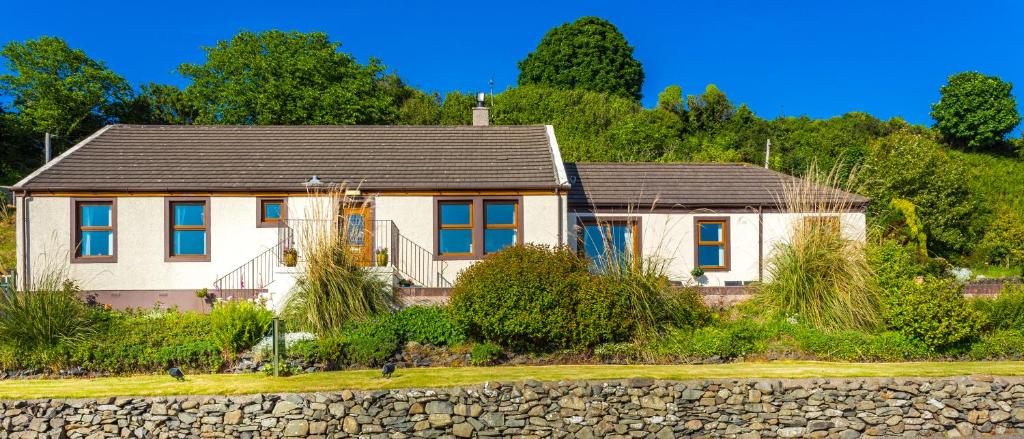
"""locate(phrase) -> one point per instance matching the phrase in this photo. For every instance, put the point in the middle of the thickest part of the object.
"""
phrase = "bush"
(1006, 344)
(333, 287)
(41, 319)
(523, 297)
(858, 346)
(330, 349)
(1003, 242)
(726, 341)
(894, 263)
(372, 342)
(933, 312)
(429, 325)
(818, 274)
(238, 325)
(484, 354)
(1006, 311)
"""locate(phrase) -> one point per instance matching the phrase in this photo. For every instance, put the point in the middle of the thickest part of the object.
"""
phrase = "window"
(188, 229)
(609, 241)
(471, 228)
(272, 212)
(455, 228)
(712, 247)
(501, 221)
(94, 233)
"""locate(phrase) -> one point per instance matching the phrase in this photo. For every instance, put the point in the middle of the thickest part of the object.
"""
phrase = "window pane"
(97, 243)
(500, 213)
(95, 215)
(188, 214)
(356, 228)
(189, 242)
(271, 211)
(455, 241)
(497, 239)
(711, 256)
(455, 214)
(711, 232)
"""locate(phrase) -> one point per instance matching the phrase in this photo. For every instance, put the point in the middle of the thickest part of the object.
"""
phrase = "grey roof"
(681, 185)
(265, 158)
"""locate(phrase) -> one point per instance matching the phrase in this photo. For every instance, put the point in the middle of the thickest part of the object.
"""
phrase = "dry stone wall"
(844, 408)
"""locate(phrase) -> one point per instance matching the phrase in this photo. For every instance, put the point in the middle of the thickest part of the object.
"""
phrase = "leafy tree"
(420, 109)
(671, 99)
(457, 108)
(580, 117)
(914, 167)
(58, 89)
(644, 136)
(277, 77)
(975, 111)
(1003, 242)
(19, 153)
(159, 104)
(710, 110)
(588, 54)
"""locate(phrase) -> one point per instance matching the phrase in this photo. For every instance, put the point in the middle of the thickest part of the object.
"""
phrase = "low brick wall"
(844, 408)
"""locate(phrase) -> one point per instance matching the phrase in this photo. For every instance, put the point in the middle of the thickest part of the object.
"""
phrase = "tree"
(709, 110)
(644, 136)
(159, 104)
(58, 89)
(916, 168)
(671, 99)
(588, 54)
(287, 78)
(975, 111)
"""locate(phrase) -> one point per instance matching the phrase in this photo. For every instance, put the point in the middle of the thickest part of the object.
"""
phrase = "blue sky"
(817, 58)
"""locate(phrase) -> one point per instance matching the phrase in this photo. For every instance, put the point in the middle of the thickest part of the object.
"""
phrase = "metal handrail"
(252, 277)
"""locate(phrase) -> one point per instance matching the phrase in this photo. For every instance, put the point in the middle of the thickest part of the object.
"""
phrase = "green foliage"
(1003, 241)
(580, 118)
(457, 109)
(645, 136)
(1004, 344)
(912, 228)
(858, 346)
(238, 325)
(975, 111)
(726, 340)
(57, 88)
(709, 111)
(327, 349)
(915, 168)
(420, 109)
(523, 297)
(1006, 311)
(894, 263)
(7, 238)
(49, 315)
(284, 369)
(587, 54)
(429, 325)
(159, 104)
(485, 354)
(933, 312)
(286, 78)
(373, 342)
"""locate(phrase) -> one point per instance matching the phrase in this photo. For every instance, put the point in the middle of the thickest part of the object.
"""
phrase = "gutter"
(25, 261)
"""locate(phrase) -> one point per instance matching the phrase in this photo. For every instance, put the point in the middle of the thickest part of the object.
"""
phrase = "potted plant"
(697, 273)
(290, 257)
(382, 257)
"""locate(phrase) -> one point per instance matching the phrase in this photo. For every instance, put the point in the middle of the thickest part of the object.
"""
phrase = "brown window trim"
(168, 230)
(75, 257)
(261, 221)
(635, 222)
(726, 243)
(516, 222)
(477, 222)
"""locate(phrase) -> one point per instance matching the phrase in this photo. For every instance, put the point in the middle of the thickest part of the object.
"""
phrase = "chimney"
(480, 113)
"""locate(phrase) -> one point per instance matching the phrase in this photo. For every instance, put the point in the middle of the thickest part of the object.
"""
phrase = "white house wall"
(669, 239)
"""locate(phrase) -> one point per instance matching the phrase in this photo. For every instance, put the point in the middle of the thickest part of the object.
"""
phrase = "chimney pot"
(481, 114)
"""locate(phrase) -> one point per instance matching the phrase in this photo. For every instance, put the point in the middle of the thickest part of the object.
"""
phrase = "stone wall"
(841, 408)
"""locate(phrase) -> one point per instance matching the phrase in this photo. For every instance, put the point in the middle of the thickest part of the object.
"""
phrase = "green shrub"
(1004, 344)
(333, 288)
(726, 341)
(858, 346)
(523, 297)
(372, 342)
(238, 325)
(132, 342)
(43, 318)
(329, 349)
(1006, 311)
(933, 312)
(894, 263)
(429, 325)
(484, 354)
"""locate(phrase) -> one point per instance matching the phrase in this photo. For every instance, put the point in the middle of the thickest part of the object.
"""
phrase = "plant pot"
(291, 258)
(382, 260)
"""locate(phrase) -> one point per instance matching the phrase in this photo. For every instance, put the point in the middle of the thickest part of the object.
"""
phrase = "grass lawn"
(227, 384)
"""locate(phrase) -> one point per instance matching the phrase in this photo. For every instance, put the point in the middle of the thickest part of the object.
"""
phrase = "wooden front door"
(358, 226)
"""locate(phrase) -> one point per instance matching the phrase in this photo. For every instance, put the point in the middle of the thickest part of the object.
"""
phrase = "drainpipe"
(25, 267)
(760, 243)
(561, 220)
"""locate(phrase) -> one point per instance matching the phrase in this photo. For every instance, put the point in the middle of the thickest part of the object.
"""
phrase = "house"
(143, 214)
